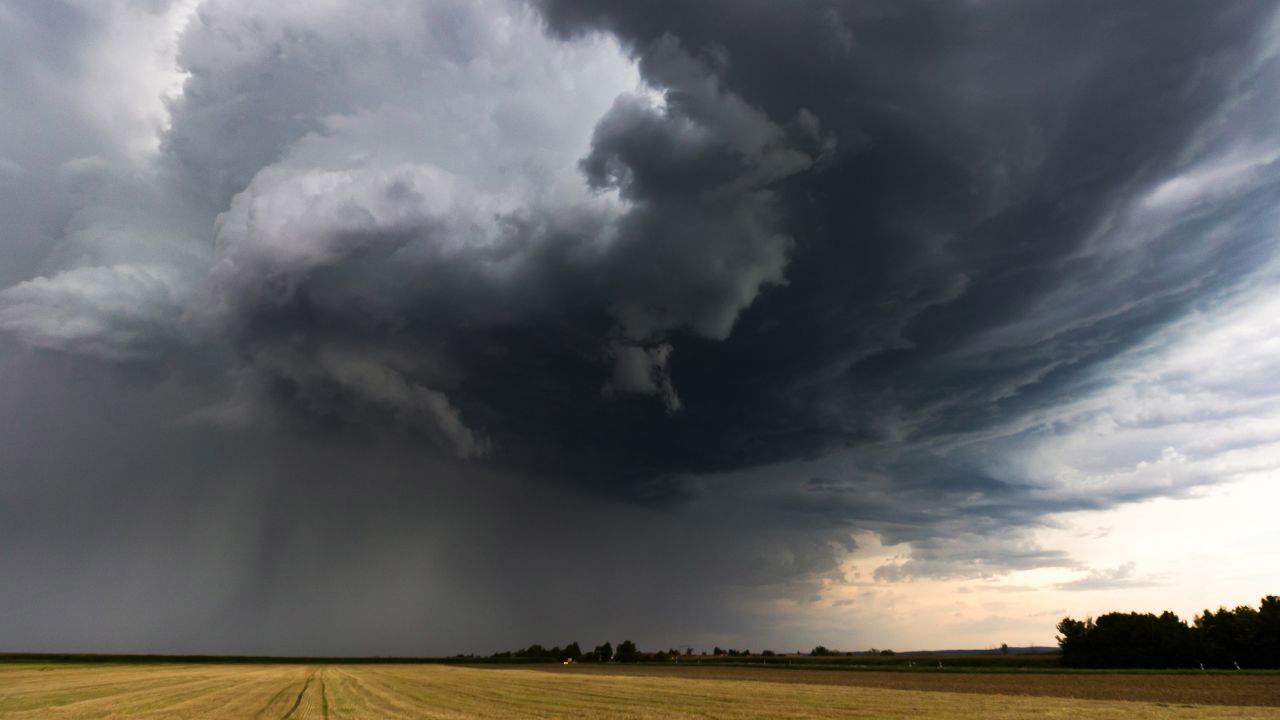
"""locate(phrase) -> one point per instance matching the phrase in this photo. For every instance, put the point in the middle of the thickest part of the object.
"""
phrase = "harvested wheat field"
(1260, 689)
(76, 692)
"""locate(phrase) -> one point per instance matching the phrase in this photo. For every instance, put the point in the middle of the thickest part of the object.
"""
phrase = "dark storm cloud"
(416, 293)
(223, 539)
(422, 281)
(982, 150)
(972, 250)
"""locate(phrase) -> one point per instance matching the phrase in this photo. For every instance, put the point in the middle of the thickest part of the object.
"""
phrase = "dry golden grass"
(152, 692)
(1170, 688)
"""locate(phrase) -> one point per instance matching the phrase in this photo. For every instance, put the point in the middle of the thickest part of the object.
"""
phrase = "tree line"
(628, 652)
(1243, 637)
(605, 652)
(625, 652)
(824, 651)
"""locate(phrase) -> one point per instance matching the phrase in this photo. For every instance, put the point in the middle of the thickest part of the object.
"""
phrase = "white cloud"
(1120, 576)
(123, 312)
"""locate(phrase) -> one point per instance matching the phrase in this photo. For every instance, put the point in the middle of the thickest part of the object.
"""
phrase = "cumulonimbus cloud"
(649, 252)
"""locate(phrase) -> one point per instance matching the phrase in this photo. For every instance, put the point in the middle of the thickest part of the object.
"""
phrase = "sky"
(422, 327)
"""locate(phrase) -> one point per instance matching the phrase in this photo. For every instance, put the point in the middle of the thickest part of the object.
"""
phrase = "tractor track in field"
(258, 715)
(405, 691)
(298, 700)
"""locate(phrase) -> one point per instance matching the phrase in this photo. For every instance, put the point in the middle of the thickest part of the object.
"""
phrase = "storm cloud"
(504, 321)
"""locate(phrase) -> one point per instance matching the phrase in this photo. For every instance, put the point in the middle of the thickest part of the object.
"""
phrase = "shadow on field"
(1258, 690)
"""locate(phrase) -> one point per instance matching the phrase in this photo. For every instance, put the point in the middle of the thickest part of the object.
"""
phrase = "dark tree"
(1230, 637)
(660, 655)
(1129, 640)
(571, 652)
(603, 653)
(627, 652)
(1269, 630)
(1241, 637)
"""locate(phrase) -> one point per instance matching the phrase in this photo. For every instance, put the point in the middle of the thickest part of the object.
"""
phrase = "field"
(967, 661)
(260, 691)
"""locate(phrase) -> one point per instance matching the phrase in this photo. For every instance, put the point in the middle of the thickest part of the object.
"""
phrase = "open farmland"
(90, 691)
(1176, 688)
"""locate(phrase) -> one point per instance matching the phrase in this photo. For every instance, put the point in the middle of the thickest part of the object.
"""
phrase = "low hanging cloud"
(969, 557)
(643, 370)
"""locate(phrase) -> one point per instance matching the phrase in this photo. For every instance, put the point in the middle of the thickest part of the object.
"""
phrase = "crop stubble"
(340, 692)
